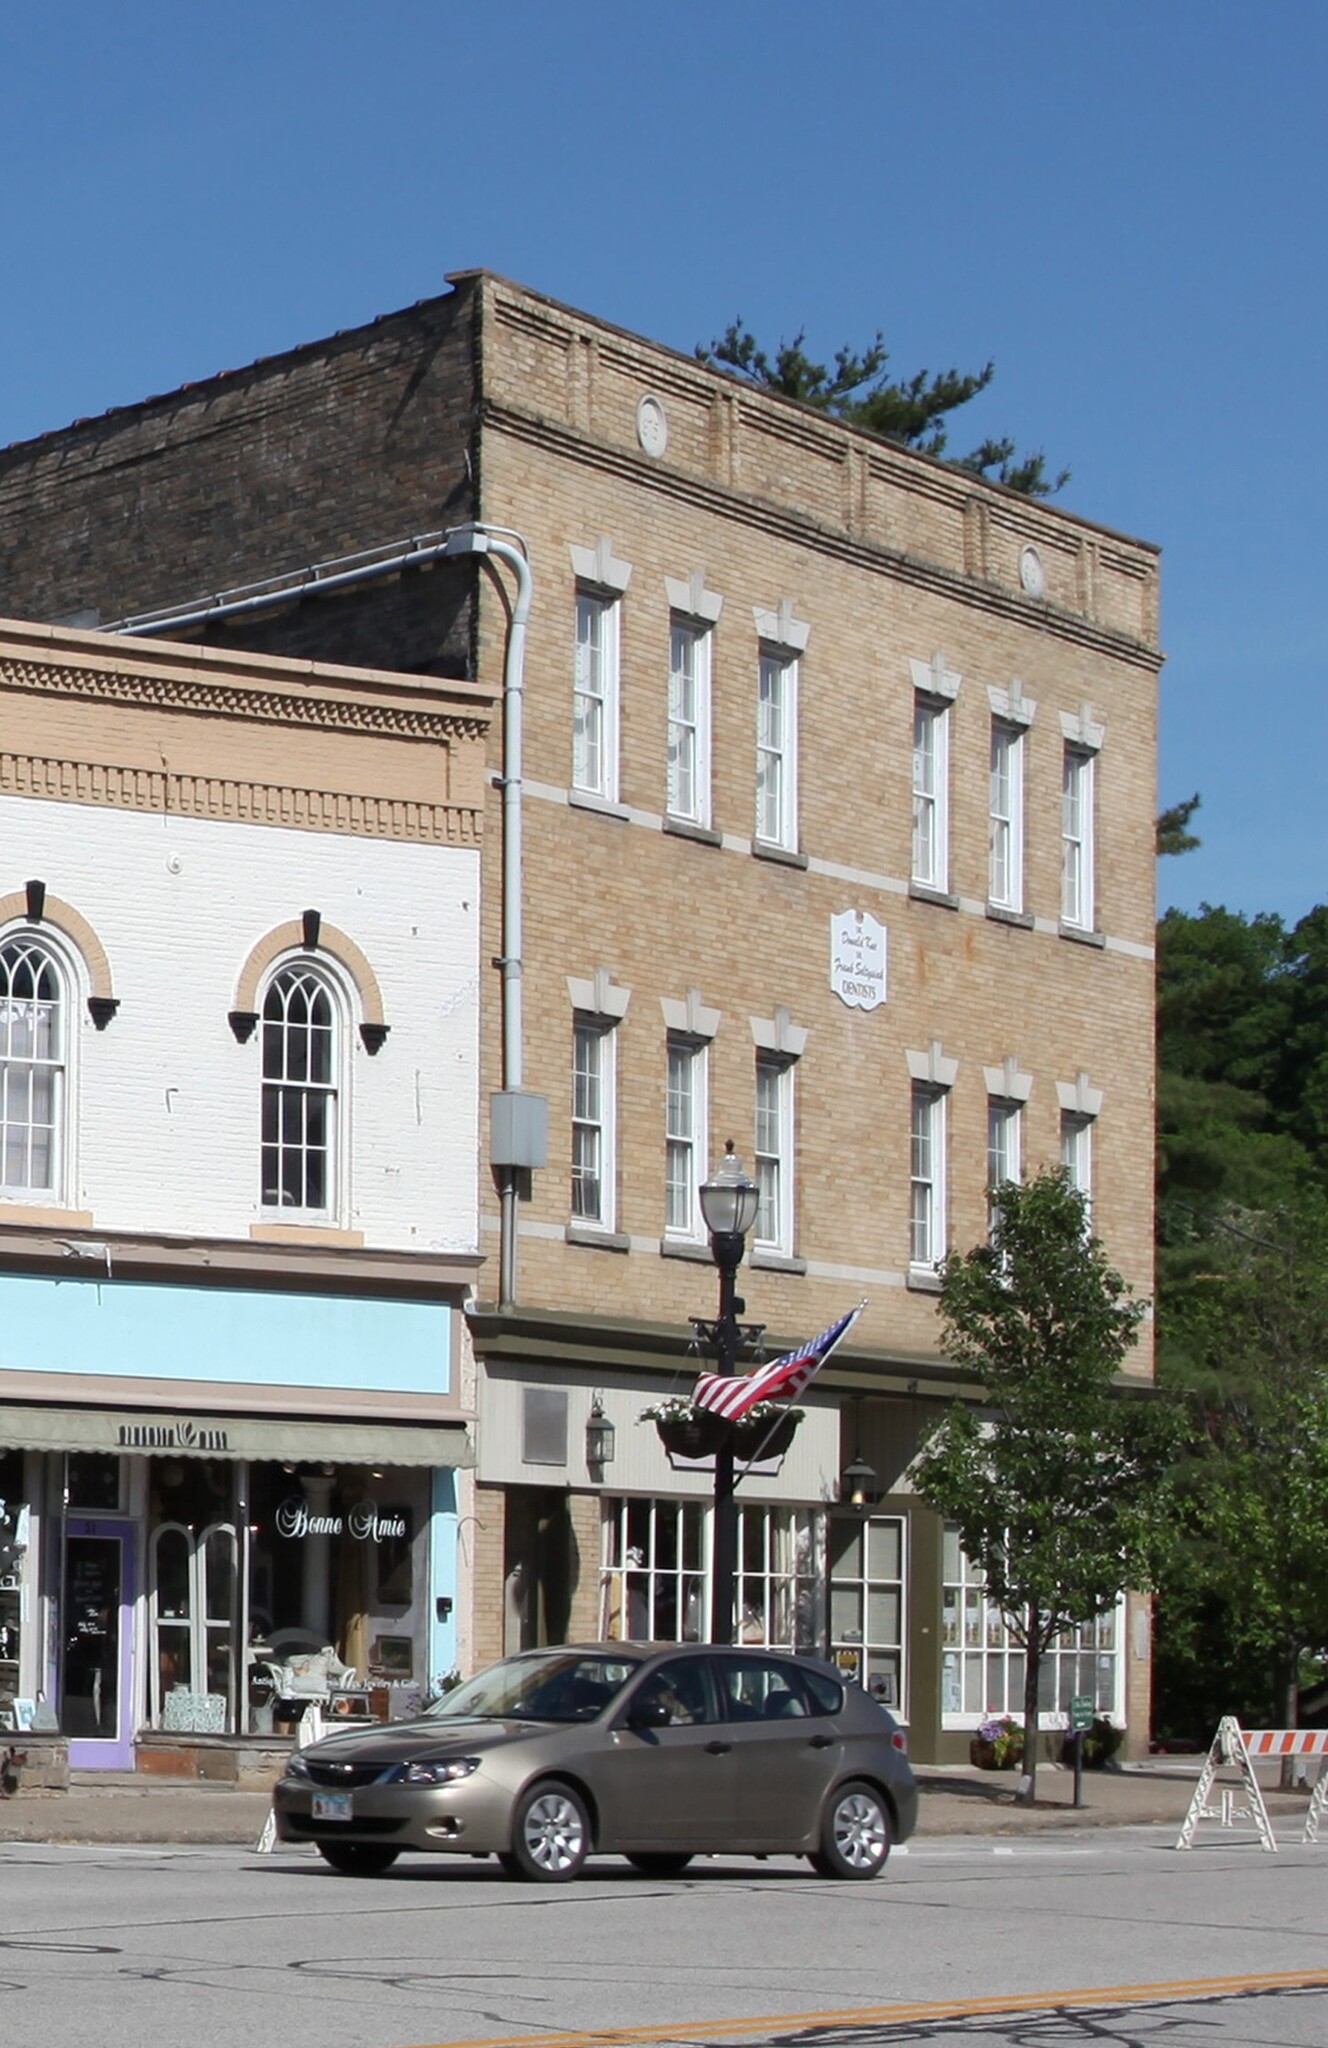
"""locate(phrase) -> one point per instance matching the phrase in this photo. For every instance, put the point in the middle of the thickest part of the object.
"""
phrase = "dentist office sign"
(857, 959)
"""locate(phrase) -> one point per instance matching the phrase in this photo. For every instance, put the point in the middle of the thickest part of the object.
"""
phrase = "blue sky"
(1122, 203)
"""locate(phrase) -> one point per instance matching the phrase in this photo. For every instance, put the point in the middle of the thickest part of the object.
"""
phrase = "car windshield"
(561, 1685)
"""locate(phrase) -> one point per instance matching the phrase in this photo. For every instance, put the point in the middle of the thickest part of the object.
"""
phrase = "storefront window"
(656, 1584)
(867, 1580)
(13, 1546)
(982, 1668)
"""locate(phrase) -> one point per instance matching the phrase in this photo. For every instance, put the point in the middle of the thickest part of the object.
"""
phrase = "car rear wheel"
(660, 1862)
(550, 1835)
(855, 1833)
(358, 1859)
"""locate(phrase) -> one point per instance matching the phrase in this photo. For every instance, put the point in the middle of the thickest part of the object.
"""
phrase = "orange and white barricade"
(1241, 1748)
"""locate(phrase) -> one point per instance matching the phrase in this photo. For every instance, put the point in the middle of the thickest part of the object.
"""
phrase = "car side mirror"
(648, 1714)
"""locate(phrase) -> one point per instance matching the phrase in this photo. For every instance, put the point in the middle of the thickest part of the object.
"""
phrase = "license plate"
(331, 1805)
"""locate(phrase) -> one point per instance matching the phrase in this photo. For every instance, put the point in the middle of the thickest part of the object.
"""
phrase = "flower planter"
(693, 1436)
(765, 1438)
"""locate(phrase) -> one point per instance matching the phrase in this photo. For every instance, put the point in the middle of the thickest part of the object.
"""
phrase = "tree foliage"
(913, 411)
(1058, 1484)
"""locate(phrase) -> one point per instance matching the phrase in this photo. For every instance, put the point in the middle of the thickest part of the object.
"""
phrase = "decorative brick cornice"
(157, 691)
(239, 802)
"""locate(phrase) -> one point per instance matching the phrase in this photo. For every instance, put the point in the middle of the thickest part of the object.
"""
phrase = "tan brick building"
(837, 806)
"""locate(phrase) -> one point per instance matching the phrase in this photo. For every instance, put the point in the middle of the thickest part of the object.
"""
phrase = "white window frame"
(779, 1577)
(927, 1177)
(686, 1136)
(1078, 779)
(594, 1121)
(1005, 1133)
(860, 1651)
(931, 793)
(1005, 817)
(773, 1148)
(332, 1093)
(595, 693)
(690, 650)
(1077, 1154)
(982, 1669)
(654, 1570)
(777, 748)
(21, 1071)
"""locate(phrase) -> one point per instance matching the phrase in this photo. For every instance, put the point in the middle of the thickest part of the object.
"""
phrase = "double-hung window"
(684, 1138)
(776, 750)
(927, 1178)
(301, 1056)
(774, 1153)
(1005, 873)
(595, 696)
(593, 1173)
(1077, 838)
(689, 722)
(931, 779)
(1004, 1133)
(32, 1073)
(1077, 1154)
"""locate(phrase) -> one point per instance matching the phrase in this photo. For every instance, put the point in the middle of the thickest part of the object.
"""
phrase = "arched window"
(301, 1062)
(32, 1012)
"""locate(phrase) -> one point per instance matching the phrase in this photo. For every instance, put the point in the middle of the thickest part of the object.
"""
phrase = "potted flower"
(686, 1431)
(998, 1745)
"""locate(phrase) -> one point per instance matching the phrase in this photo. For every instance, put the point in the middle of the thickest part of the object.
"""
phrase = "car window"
(760, 1689)
(556, 1686)
(682, 1688)
(826, 1693)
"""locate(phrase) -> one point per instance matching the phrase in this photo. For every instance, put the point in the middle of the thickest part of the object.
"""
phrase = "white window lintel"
(1012, 705)
(933, 679)
(1005, 1083)
(1078, 1097)
(599, 568)
(779, 1034)
(932, 1067)
(1081, 729)
(691, 599)
(782, 629)
(690, 1019)
(601, 996)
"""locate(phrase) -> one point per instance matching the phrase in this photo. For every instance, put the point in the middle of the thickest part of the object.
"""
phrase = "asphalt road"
(1109, 1936)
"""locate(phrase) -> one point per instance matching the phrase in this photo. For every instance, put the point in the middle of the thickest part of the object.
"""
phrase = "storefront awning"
(162, 1434)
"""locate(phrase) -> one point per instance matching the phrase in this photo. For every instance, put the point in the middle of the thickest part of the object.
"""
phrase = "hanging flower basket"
(764, 1436)
(698, 1435)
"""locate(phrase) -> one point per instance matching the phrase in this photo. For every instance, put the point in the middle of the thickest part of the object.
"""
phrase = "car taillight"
(899, 1740)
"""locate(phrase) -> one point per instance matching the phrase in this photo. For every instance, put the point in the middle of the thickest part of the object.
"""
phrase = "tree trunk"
(1027, 1791)
(1292, 1767)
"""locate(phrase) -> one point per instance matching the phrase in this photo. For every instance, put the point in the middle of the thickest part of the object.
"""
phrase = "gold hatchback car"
(658, 1753)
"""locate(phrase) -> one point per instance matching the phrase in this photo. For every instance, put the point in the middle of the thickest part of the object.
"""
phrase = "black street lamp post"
(729, 1202)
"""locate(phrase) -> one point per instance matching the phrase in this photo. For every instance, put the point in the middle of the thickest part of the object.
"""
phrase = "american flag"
(731, 1395)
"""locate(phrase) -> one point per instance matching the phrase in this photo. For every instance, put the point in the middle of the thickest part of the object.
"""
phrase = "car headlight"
(296, 1767)
(441, 1773)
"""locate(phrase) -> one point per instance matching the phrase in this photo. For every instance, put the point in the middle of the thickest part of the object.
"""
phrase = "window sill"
(603, 806)
(1081, 936)
(923, 1280)
(782, 856)
(597, 1240)
(777, 1262)
(305, 1233)
(998, 914)
(921, 892)
(685, 828)
(681, 1248)
(19, 1213)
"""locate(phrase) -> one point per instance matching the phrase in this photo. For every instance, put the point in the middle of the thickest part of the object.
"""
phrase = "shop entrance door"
(97, 1605)
(193, 1584)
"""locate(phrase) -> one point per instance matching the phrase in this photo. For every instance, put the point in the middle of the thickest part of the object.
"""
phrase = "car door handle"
(823, 1742)
(718, 1748)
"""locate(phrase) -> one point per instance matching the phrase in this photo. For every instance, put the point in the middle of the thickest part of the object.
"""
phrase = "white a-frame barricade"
(1239, 1748)
(311, 1730)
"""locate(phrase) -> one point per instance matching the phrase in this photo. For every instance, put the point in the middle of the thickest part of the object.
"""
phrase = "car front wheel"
(855, 1833)
(550, 1835)
(358, 1859)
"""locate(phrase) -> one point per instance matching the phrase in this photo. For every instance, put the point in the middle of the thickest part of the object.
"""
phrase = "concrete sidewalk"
(955, 1801)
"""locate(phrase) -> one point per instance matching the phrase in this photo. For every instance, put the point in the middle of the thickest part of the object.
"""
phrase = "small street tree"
(1059, 1483)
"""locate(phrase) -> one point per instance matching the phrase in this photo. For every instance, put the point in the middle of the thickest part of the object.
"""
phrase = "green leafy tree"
(1059, 1484)
(913, 411)
(1254, 1574)
(1173, 827)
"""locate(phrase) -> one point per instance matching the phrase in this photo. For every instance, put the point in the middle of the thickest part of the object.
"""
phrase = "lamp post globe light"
(729, 1205)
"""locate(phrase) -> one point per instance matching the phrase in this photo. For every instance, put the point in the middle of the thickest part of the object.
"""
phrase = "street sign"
(1081, 1713)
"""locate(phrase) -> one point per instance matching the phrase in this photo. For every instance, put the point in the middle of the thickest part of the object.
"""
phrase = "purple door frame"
(115, 1752)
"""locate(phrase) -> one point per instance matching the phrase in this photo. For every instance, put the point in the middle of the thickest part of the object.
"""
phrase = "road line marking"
(898, 2015)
